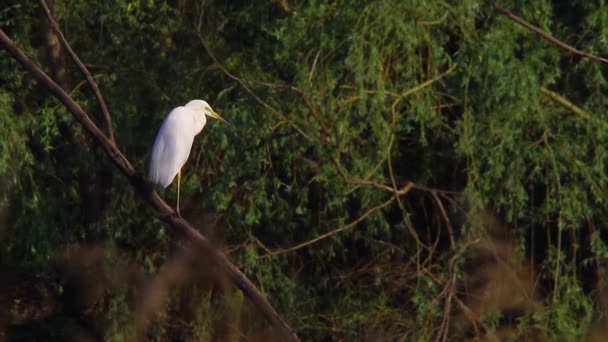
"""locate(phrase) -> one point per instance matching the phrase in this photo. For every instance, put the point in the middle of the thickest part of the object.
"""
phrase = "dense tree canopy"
(407, 170)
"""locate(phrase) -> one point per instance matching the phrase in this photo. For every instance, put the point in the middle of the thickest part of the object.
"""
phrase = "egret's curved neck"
(200, 119)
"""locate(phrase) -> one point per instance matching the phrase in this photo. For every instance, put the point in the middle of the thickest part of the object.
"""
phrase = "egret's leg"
(179, 180)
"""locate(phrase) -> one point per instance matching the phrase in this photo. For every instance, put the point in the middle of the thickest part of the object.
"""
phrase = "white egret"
(174, 141)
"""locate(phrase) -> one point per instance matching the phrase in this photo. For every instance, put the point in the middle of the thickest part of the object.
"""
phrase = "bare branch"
(445, 218)
(356, 181)
(252, 93)
(85, 71)
(340, 229)
(166, 213)
(548, 37)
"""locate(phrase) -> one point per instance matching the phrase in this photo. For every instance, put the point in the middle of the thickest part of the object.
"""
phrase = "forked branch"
(83, 68)
(166, 213)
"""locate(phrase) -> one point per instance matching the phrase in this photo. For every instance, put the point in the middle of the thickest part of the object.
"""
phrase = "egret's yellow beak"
(217, 116)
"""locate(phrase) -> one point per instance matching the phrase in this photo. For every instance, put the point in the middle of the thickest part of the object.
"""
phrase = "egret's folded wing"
(171, 147)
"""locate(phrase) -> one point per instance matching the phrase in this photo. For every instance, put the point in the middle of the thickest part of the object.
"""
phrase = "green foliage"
(331, 104)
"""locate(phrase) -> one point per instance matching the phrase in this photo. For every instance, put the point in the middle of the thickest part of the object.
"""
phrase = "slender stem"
(570, 106)
(337, 230)
(549, 37)
(179, 182)
(252, 93)
(83, 68)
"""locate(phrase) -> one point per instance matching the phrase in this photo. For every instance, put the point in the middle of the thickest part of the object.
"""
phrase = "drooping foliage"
(367, 140)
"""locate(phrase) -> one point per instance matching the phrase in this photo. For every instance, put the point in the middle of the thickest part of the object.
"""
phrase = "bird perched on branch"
(174, 142)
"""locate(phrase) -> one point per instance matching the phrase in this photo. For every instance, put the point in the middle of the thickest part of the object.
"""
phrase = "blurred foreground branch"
(166, 213)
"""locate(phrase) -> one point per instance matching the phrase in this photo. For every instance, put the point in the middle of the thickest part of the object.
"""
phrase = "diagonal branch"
(166, 213)
(549, 37)
(445, 218)
(85, 71)
(340, 229)
(569, 105)
(251, 92)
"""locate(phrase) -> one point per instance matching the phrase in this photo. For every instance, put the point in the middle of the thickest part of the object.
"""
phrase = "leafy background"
(334, 107)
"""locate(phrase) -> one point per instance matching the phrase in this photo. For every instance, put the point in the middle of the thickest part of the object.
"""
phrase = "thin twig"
(570, 106)
(404, 212)
(304, 97)
(312, 110)
(356, 181)
(85, 71)
(445, 218)
(549, 37)
(335, 231)
(251, 92)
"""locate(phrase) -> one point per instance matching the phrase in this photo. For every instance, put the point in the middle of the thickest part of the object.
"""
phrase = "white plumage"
(174, 140)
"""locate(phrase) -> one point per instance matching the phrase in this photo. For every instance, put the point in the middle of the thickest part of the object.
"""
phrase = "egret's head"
(203, 107)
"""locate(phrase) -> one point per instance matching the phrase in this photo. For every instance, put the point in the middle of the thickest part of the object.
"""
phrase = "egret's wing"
(172, 146)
